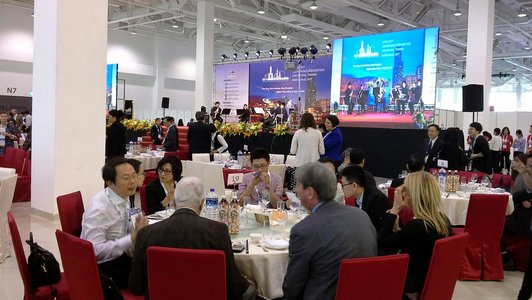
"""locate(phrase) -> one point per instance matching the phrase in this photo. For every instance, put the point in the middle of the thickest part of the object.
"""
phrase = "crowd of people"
(13, 126)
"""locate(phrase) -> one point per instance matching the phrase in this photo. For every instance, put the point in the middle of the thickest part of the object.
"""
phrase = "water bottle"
(442, 174)
(239, 157)
(130, 147)
(211, 205)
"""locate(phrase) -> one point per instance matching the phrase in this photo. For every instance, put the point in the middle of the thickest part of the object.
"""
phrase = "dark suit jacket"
(397, 182)
(519, 221)
(185, 229)
(482, 164)
(375, 204)
(199, 138)
(115, 141)
(319, 243)
(432, 155)
(155, 131)
(415, 240)
(170, 141)
(455, 157)
(370, 180)
(154, 195)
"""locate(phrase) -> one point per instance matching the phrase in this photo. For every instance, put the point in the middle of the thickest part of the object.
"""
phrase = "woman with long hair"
(8, 133)
(307, 143)
(507, 142)
(420, 192)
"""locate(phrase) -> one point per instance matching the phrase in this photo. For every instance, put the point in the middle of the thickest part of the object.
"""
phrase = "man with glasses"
(106, 222)
(331, 233)
(368, 197)
(261, 183)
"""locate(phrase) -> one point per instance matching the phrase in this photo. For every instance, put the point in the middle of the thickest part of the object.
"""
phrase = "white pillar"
(69, 66)
(204, 54)
(481, 15)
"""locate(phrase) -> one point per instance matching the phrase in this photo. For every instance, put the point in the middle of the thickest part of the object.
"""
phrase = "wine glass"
(485, 182)
(473, 178)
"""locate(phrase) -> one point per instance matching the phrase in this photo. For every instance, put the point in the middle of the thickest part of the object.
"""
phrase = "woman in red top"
(507, 141)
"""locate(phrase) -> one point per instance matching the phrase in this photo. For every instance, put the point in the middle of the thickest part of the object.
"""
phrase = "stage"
(383, 120)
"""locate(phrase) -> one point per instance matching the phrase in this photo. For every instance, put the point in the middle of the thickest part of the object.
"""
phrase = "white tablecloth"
(149, 161)
(455, 207)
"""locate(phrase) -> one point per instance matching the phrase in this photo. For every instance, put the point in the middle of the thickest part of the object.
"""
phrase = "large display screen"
(232, 84)
(111, 86)
(385, 80)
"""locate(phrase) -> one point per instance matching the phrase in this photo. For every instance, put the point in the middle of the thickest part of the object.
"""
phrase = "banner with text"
(232, 83)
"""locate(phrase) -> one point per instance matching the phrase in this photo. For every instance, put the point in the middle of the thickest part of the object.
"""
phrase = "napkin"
(276, 244)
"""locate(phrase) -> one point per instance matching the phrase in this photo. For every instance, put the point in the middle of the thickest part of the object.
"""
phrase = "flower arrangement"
(137, 125)
(234, 129)
(281, 129)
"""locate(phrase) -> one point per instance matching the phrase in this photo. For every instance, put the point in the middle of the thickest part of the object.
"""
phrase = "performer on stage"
(216, 112)
(348, 93)
(362, 99)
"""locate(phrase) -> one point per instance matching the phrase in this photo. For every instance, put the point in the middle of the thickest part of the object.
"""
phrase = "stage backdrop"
(232, 83)
(306, 88)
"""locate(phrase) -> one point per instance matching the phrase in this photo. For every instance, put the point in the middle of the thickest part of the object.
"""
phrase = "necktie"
(430, 147)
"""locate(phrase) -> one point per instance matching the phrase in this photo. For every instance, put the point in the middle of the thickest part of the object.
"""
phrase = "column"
(69, 67)
(204, 54)
(481, 15)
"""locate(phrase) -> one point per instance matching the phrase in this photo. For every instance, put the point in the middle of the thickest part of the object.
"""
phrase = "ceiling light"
(246, 40)
(133, 31)
(261, 10)
(257, 54)
(498, 33)
(270, 52)
(223, 57)
(521, 13)
(284, 36)
(33, 13)
(328, 47)
(235, 55)
(314, 6)
(246, 54)
(381, 23)
(527, 46)
(457, 12)
(325, 37)
(215, 20)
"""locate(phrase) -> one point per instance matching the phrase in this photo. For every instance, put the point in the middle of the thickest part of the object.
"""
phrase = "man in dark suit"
(171, 142)
(358, 158)
(433, 147)
(186, 229)
(480, 153)
(115, 140)
(368, 197)
(318, 244)
(414, 164)
(156, 132)
(199, 136)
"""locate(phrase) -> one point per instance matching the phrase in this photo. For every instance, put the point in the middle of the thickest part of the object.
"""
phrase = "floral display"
(234, 129)
(137, 125)
(281, 129)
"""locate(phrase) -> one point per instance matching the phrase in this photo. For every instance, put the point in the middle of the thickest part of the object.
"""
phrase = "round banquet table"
(149, 160)
(455, 207)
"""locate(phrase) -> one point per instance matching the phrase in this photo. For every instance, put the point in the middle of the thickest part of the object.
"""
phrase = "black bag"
(42, 265)
(109, 288)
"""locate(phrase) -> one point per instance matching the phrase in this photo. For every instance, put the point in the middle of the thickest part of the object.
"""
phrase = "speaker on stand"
(165, 103)
(473, 98)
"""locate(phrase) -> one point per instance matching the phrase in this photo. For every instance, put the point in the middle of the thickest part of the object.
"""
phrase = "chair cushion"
(45, 292)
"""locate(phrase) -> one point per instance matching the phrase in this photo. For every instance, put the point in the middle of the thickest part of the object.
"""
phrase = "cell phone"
(256, 174)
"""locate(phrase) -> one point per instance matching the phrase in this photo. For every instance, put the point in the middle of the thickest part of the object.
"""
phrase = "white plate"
(276, 244)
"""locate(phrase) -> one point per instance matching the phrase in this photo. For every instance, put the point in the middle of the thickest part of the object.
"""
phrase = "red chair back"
(406, 214)
(9, 157)
(444, 266)
(362, 278)
(70, 207)
(485, 216)
(172, 153)
(173, 271)
(143, 202)
(150, 176)
(79, 263)
(391, 192)
(19, 254)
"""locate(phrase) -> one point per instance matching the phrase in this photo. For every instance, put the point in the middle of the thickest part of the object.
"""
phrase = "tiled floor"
(43, 231)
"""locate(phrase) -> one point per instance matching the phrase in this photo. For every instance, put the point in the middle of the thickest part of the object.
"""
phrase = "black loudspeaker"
(472, 98)
(166, 102)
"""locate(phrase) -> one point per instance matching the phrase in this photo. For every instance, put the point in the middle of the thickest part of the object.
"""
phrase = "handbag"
(42, 266)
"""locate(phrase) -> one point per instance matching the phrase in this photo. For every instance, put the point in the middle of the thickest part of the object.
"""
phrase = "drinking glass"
(473, 178)
(244, 213)
(485, 182)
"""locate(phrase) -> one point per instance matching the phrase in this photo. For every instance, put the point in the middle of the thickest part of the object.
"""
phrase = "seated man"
(368, 197)
(186, 229)
(106, 223)
(415, 163)
(330, 234)
(261, 181)
(358, 158)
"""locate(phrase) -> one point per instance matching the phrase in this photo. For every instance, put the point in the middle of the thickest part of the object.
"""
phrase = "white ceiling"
(239, 28)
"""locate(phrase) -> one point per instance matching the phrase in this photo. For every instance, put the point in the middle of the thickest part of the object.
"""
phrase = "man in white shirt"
(106, 222)
(495, 148)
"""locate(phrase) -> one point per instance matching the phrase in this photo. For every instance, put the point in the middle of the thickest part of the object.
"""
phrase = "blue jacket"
(333, 142)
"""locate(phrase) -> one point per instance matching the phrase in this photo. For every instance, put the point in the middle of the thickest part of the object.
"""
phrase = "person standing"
(246, 114)
(171, 142)
(433, 147)
(507, 142)
(331, 233)
(8, 133)
(199, 136)
(216, 112)
(307, 143)
(115, 141)
(333, 140)
(480, 154)
(348, 94)
(495, 148)
(519, 143)
(156, 132)
(528, 149)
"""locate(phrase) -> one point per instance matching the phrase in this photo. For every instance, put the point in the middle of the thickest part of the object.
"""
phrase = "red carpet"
(379, 120)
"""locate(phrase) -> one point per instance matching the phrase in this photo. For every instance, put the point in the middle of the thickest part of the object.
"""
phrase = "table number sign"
(235, 178)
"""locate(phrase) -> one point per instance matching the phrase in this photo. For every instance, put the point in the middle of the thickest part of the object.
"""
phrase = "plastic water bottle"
(442, 174)
(239, 157)
(211, 205)
(130, 147)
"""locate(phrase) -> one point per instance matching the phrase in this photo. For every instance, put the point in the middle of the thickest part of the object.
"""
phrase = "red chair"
(171, 153)
(485, 224)
(150, 176)
(43, 292)
(406, 215)
(70, 208)
(363, 278)
(444, 266)
(519, 249)
(173, 271)
(182, 132)
(81, 269)
(502, 181)
(143, 202)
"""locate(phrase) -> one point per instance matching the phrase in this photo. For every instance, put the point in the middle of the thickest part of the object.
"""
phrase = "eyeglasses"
(349, 183)
(260, 166)
(168, 172)
(129, 177)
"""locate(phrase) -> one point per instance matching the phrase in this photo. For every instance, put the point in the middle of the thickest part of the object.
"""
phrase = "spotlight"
(261, 10)
(325, 37)
(223, 57)
(246, 40)
(328, 47)
(257, 54)
(235, 56)
(498, 33)
(133, 31)
(304, 51)
(270, 52)
(527, 46)
(284, 36)
(457, 12)
(521, 13)
(292, 51)
(313, 51)
(246, 54)
(314, 6)
(380, 23)
(281, 51)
